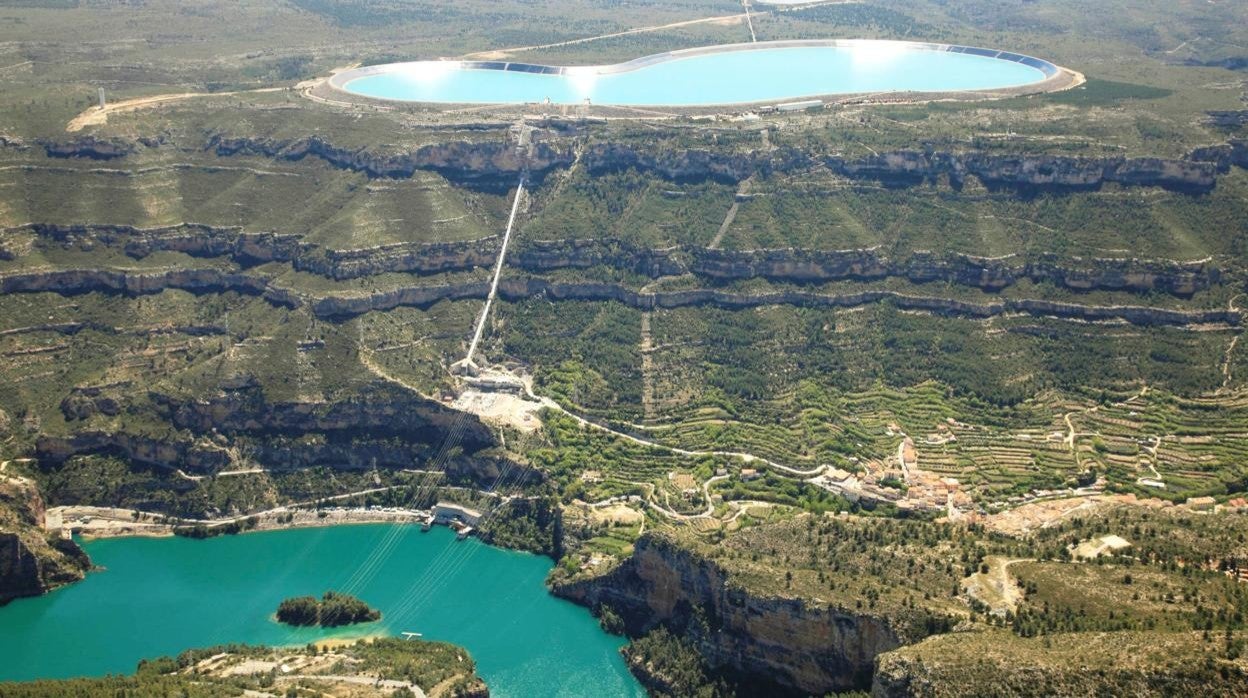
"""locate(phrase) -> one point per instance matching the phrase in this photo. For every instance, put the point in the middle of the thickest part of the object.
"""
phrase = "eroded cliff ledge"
(489, 164)
(379, 427)
(787, 642)
(515, 289)
(343, 306)
(32, 563)
(817, 266)
(498, 163)
(801, 266)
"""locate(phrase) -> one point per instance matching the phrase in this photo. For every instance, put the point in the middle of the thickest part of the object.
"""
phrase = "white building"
(445, 512)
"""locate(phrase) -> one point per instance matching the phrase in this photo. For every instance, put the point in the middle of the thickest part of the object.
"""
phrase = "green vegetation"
(228, 529)
(671, 667)
(1175, 576)
(365, 668)
(1122, 663)
(264, 358)
(331, 610)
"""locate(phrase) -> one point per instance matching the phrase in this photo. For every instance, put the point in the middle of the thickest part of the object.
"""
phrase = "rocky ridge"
(377, 427)
(795, 266)
(786, 265)
(497, 164)
(338, 307)
(514, 289)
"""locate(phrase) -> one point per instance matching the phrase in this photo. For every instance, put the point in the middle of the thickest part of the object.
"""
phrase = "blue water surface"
(159, 596)
(724, 77)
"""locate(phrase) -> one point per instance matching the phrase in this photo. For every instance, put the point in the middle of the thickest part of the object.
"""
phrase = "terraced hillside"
(715, 334)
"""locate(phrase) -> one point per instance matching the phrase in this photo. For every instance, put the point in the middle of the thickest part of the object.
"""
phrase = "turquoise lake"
(747, 74)
(159, 596)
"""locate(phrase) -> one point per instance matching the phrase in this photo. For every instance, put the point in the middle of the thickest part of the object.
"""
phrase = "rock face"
(30, 562)
(171, 453)
(787, 643)
(249, 249)
(89, 147)
(786, 265)
(1232, 119)
(497, 164)
(1179, 281)
(380, 427)
(490, 164)
(71, 281)
(1233, 152)
(520, 288)
(817, 266)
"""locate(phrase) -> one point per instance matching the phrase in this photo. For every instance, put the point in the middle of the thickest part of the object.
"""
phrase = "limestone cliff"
(249, 249)
(379, 427)
(496, 164)
(31, 563)
(787, 642)
(807, 266)
(493, 163)
(72, 281)
(519, 288)
(88, 147)
(785, 264)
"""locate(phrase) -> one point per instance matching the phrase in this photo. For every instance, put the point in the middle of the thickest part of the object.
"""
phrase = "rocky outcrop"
(788, 642)
(88, 147)
(912, 167)
(84, 402)
(1181, 279)
(379, 427)
(693, 164)
(1225, 155)
(515, 289)
(1230, 119)
(377, 412)
(187, 454)
(13, 142)
(189, 238)
(135, 283)
(248, 249)
(498, 164)
(410, 257)
(989, 274)
(31, 562)
(337, 307)
(582, 253)
(803, 266)
(786, 265)
(1069, 173)
(488, 163)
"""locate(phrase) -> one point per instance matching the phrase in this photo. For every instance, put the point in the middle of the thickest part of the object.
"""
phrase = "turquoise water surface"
(721, 77)
(159, 596)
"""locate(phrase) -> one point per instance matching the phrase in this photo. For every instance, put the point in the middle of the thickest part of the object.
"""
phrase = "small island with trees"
(331, 610)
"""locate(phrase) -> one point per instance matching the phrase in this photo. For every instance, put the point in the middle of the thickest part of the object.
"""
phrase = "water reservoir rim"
(341, 81)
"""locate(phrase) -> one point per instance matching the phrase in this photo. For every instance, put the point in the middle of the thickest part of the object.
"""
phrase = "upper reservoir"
(160, 596)
(732, 74)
